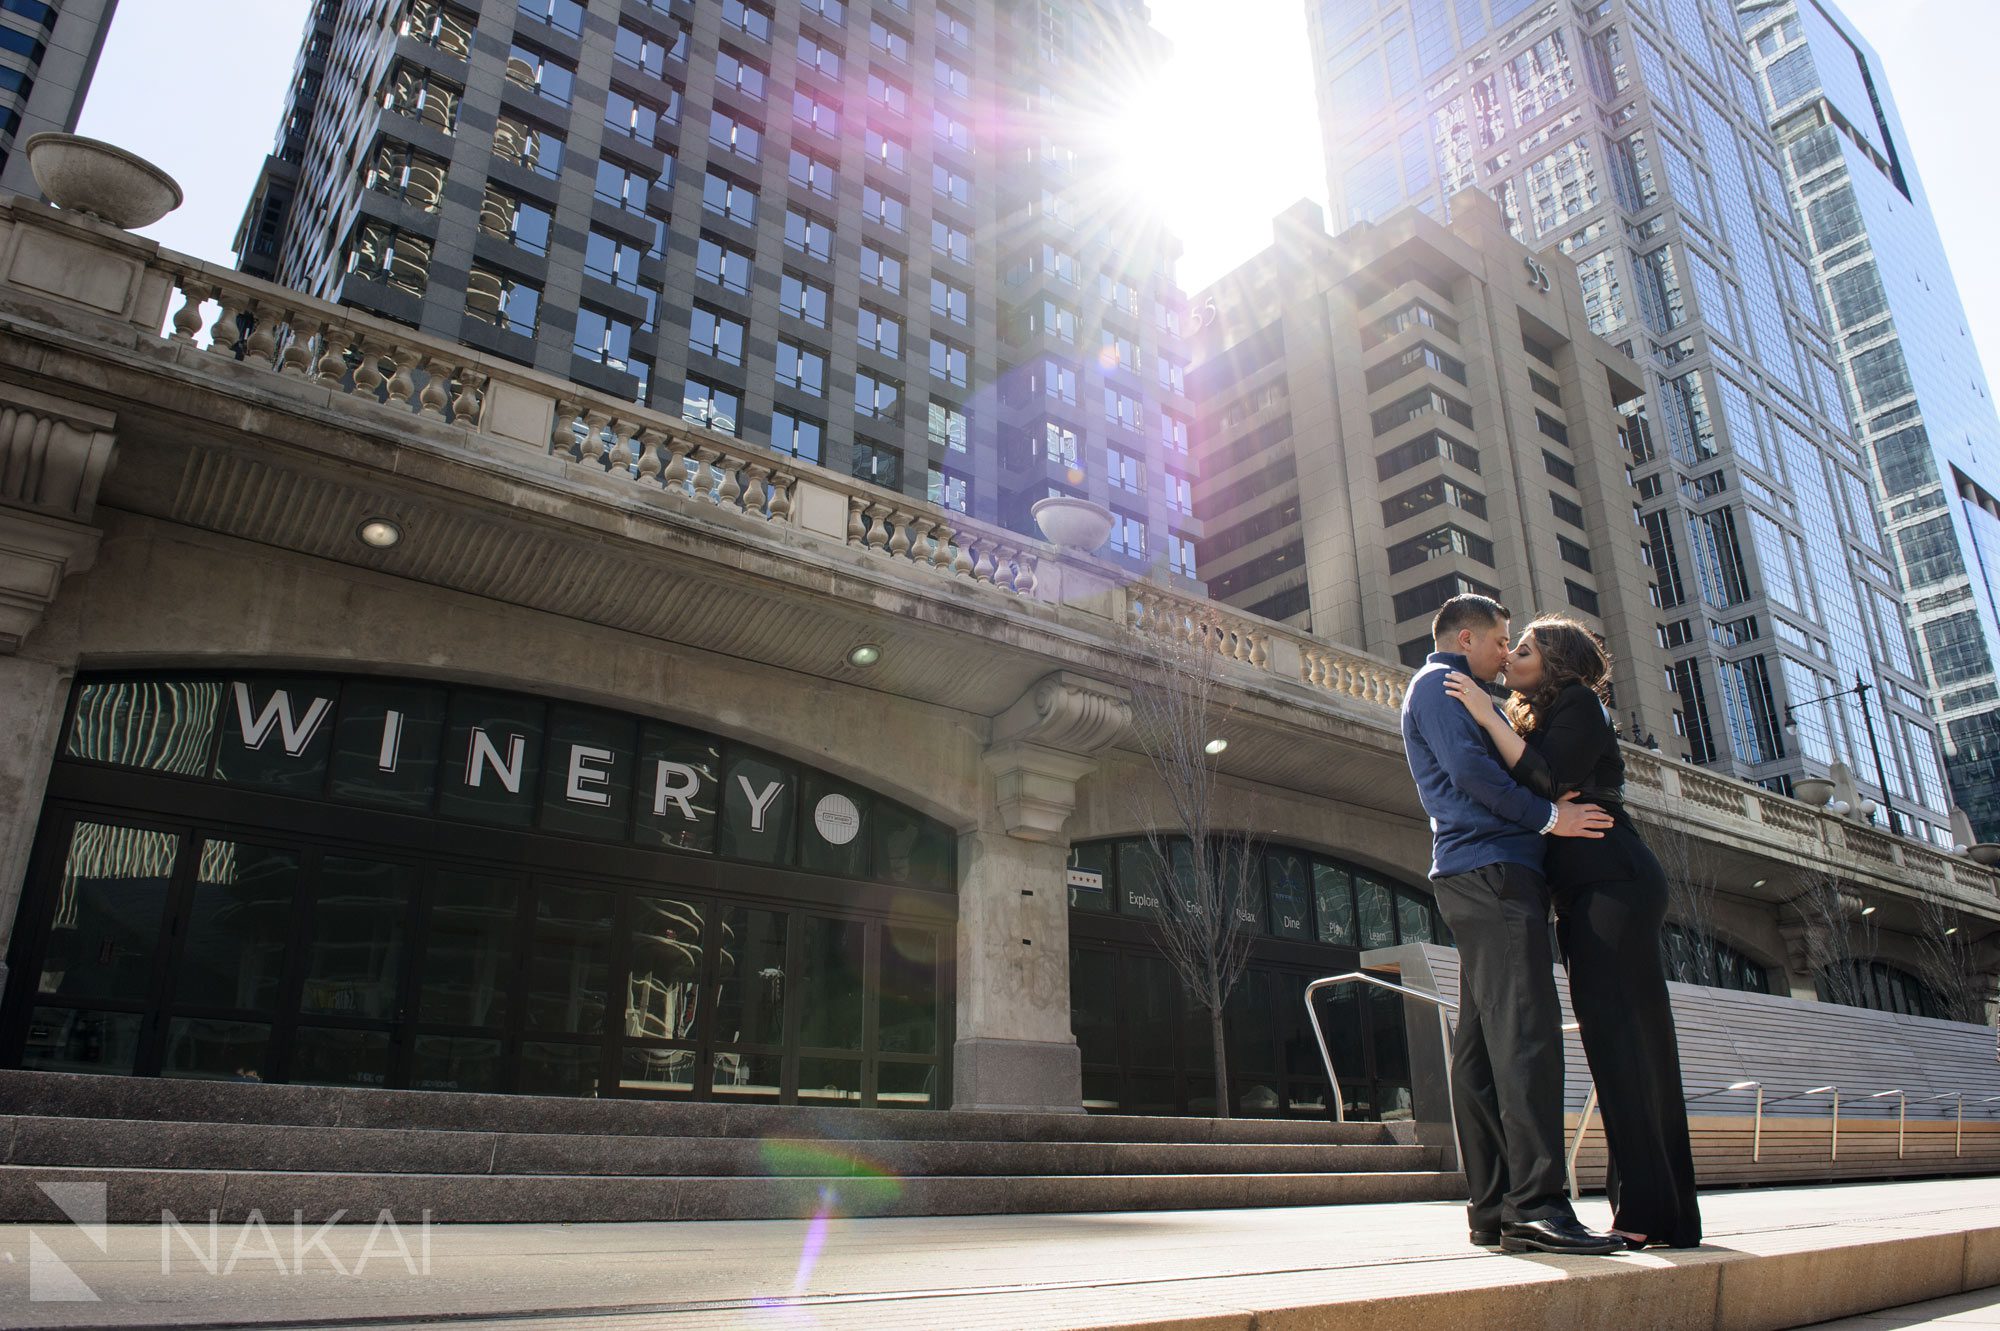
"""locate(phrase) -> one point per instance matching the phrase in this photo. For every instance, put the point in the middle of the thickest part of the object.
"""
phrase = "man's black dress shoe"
(1559, 1235)
(1485, 1238)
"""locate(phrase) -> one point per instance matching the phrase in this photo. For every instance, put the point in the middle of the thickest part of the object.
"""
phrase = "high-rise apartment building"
(868, 234)
(48, 52)
(1918, 399)
(1630, 136)
(1410, 411)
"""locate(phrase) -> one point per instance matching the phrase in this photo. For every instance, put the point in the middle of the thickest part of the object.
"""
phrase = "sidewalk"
(1776, 1258)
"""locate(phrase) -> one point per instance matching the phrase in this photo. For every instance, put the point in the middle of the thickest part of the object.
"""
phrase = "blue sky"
(197, 86)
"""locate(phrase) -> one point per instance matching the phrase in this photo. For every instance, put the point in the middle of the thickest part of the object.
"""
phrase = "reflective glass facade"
(1916, 393)
(1629, 136)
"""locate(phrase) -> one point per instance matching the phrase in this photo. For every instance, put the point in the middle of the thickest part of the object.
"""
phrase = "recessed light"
(1867, 910)
(1949, 932)
(1214, 747)
(867, 654)
(1758, 883)
(379, 533)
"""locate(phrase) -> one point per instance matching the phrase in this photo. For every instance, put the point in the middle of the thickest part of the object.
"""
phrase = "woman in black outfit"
(1611, 900)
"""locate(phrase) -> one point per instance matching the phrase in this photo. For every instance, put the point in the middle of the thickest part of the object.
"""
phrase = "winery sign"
(505, 759)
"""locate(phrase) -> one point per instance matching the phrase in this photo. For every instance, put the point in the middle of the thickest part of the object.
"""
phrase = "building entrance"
(176, 924)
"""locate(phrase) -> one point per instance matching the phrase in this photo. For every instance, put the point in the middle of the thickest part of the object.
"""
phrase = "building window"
(1567, 509)
(1558, 468)
(887, 151)
(949, 490)
(1551, 427)
(887, 92)
(1124, 409)
(881, 399)
(726, 198)
(524, 224)
(627, 187)
(1180, 554)
(1431, 494)
(637, 118)
(1054, 320)
(951, 77)
(528, 145)
(1422, 602)
(402, 172)
(443, 28)
(1684, 677)
(884, 209)
(1128, 534)
(503, 300)
(715, 334)
(879, 332)
(415, 92)
(607, 341)
(1119, 350)
(949, 362)
(950, 302)
(803, 300)
(711, 405)
(1422, 449)
(951, 184)
(801, 368)
(1573, 552)
(745, 76)
(819, 56)
(564, 16)
(877, 465)
(889, 41)
(1058, 381)
(833, 11)
(947, 426)
(809, 111)
(645, 51)
(1172, 374)
(808, 235)
(1438, 544)
(1124, 471)
(810, 173)
(1424, 402)
(948, 128)
(1180, 493)
(746, 19)
(1580, 596)
(881, 268)
(949, 240)
(1060, 444)
(953, 28)
(797, 435)
(737, 134)
(543, 75)
(383, 253)
(611, 259)
(718, 263)
(1174, 432)
(1422, 356)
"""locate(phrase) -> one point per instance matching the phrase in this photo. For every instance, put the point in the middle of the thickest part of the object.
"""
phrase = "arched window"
(1877, 985)
(1295, 893)
(1694, 957)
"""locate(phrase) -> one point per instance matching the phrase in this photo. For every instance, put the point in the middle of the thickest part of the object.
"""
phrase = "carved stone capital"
(1048, 741)
(53, 456)
(36, 554)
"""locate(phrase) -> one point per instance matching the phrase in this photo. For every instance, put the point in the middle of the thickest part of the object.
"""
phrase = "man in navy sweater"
(1486, 870)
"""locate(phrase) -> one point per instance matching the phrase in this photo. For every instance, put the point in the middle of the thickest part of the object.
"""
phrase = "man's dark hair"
(1467, 611)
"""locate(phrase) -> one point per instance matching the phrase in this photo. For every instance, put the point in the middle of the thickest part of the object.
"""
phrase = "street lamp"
(1860, 690)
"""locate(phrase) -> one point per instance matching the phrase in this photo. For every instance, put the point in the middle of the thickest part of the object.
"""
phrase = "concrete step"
(160, 1145)
(79, 1095)
(143, 1196)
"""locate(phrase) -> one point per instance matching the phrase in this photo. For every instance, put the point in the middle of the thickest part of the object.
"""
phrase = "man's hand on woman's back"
(1579, 820)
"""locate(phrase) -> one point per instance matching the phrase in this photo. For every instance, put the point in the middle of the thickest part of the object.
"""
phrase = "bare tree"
(1837, 940)
(1205, 872)
(1945, 958)
(1693, 876)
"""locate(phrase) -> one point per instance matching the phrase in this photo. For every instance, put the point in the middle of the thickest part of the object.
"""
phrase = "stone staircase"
(192, 1147)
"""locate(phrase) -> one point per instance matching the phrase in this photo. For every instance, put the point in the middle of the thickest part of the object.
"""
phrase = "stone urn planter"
(1076, 525)
(101, 181)
(1985, 852)
(1813, 790)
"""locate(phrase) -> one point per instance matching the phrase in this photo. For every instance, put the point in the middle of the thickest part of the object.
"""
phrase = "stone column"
(1015, 1050)
(53, 456)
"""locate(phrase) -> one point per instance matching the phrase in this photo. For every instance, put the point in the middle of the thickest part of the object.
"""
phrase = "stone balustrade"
(198, 310)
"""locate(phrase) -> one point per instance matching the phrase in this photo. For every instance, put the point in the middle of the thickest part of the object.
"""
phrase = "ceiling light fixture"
(867, 654)
(1867, 910)
(1758, 883)
(378, 533)
(1214, 747)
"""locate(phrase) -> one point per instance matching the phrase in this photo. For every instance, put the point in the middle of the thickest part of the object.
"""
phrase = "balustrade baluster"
(647, 440)
(297, 358)
(590, 448)
(465, 407)
(261, 348)
(621, 449)
(367, 371)
(187, 319)
(403, 383)
(436, 395)
(728, 492)
(856, 533)
(562, 433)
(331, 367)
(781, 495)
(878, 526)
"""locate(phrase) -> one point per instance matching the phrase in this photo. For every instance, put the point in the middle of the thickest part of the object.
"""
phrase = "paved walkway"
(1976, 1308)
(1377, 1266)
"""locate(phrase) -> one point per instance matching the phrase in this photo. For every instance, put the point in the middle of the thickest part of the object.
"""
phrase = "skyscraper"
(1917, 396)
(1410, 411)
(48, 52)
(1629, 136)
(867, 234)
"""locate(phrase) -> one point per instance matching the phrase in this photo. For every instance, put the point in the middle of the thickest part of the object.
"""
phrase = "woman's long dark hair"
(1571, 654)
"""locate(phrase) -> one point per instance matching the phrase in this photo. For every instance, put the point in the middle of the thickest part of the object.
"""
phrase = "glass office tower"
(868, 233)
(48, 53)
(1629, 135)
(1917, 396)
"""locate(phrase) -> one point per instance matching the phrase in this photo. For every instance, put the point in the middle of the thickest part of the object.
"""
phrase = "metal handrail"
(1442, 1004)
